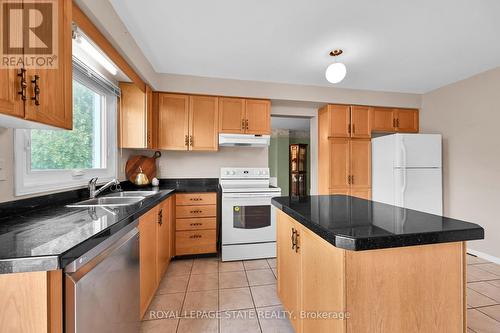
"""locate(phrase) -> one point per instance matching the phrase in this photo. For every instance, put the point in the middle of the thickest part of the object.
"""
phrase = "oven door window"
(251, 217)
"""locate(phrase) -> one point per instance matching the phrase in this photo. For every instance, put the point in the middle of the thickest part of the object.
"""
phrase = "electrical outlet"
(2, 169)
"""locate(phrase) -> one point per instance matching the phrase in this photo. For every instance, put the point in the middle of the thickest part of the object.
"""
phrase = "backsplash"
(183, 164)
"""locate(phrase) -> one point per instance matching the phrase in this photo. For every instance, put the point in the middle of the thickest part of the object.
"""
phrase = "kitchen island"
(352, 265)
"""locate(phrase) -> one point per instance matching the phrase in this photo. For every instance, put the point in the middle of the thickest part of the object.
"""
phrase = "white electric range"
(248, 218)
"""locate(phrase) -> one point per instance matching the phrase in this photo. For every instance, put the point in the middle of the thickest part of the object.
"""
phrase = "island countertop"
(357, 224)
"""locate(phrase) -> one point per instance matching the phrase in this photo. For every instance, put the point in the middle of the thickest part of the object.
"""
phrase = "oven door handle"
(251, 196)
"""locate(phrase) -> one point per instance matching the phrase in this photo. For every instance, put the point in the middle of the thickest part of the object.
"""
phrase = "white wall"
(467, 113)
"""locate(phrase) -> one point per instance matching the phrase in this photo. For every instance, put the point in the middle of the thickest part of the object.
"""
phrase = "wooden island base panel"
(399, 288)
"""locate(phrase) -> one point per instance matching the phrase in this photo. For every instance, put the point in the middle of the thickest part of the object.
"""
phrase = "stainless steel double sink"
(118, 199)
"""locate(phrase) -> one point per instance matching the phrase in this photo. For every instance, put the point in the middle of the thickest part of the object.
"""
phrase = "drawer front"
(195, 224)
(191, 199)
(195, 211)
(195, 242)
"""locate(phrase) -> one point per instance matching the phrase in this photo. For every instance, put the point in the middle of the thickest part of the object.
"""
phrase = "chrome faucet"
(92, 186)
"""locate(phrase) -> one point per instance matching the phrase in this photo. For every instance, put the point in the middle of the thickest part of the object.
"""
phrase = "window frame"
(39, 181)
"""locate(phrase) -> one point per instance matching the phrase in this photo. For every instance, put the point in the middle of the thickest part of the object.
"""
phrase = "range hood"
(244, 140)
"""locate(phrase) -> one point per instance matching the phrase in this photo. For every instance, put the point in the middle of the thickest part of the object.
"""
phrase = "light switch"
(2, 169)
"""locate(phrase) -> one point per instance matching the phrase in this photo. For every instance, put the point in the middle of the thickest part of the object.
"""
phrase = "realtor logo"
(29, 34)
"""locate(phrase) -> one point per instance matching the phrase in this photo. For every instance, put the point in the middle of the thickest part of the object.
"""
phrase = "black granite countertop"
(356, 224)
(41, 233)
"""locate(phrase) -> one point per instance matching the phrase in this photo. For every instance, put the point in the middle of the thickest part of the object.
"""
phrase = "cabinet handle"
(397, 122)
(349, 179)
(353, 129)
(195, 199)
(242, 124)
(394, 122)
(294, 233)
(191, 140)
(195, 236)
(349, 128)
(148, 138)
(297, 235)
(160, 217)
(195, 211)
(195, 224)
(22, 83)
(36, 89)
(246, 123)
(352, 179)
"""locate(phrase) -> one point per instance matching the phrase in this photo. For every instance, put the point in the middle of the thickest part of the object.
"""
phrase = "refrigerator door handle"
(403, 155)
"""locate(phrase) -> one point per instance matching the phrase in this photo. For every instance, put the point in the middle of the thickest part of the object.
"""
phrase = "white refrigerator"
(406, 171)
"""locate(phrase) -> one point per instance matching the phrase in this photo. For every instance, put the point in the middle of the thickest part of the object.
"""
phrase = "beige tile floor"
(206, 295)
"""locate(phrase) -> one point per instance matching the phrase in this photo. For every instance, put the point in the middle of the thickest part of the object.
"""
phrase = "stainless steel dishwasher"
(102, 286)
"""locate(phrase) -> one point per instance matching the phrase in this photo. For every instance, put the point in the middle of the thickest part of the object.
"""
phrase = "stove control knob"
(232, 173)
(226, 172)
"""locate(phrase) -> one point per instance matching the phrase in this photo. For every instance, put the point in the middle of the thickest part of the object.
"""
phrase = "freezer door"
(419, 189)
(417, 151)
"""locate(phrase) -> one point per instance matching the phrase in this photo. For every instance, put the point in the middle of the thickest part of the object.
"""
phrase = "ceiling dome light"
(335, 72)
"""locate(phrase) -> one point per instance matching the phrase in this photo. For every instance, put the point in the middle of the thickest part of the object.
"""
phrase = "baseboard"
(484, 256)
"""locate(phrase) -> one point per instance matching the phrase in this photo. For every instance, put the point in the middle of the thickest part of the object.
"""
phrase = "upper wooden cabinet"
(406, 120)
(361, 126)
(187, 122)
(136, 117)
(203, 123)
(346, 121)
(239, 115)
(395, 120)
(173, 121)
(231, 115)
(258, 116)
(47, 96)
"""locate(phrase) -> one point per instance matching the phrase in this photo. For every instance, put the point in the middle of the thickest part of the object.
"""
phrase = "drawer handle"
(195, 224)
(195, 236)
(196, 211)
(195, 199)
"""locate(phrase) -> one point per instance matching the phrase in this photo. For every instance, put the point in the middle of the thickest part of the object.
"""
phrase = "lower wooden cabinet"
(195, 223)
(31, 302)
(155, 249)
(329, 289)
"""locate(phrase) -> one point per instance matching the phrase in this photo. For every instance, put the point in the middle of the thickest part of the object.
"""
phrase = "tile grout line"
(253, 301)
(184, 299)
(487, 315)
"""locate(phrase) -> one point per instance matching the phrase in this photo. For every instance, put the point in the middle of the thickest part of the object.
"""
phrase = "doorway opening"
(290, 155)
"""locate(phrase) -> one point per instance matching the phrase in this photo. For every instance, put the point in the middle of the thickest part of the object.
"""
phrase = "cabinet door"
(163, 226)
(147, 257)
(258, 116)
(328, 298)
(288, 265)
(406, 120)
(340, 119)
(231, 115)
(361, 122)
(363, 193)
(361, 164)
(133, 117)
(203, 123)
(10, 101)
(55, 97)
(173, 121)
(383, 120)
(339, 163)
(150, 120)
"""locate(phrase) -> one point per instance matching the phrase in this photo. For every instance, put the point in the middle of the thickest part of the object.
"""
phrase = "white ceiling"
(389, 45)
(290, 123)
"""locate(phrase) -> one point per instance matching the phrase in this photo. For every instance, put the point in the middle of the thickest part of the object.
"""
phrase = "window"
(59, 159)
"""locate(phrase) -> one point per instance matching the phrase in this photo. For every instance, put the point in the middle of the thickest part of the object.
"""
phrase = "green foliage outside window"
(63, 149)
